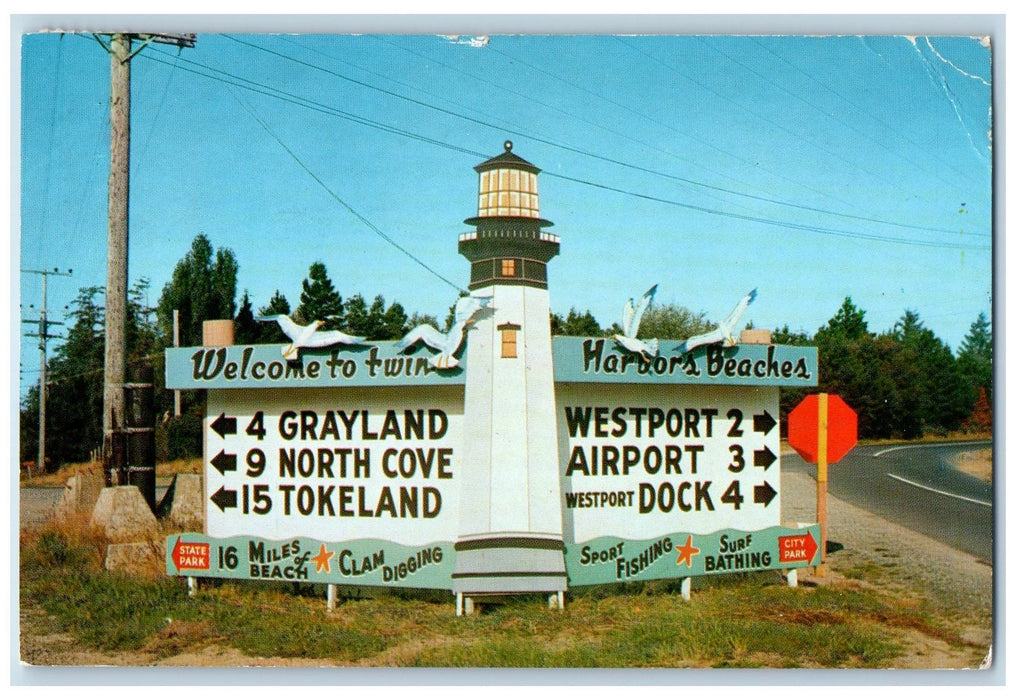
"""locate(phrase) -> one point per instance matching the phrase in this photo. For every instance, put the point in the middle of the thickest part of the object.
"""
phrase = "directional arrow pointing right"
(763, 494)
(763, 422)
(763, 458)
(224, 426)
(227, 463)
(224, 498)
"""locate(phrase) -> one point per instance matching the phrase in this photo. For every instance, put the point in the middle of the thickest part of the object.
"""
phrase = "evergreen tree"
(418, 319)
(785, 336)
(935, 390)
(75, 383)
(319, 300)
(375, 322)
(395, 323)
(357, 317)
(202, 288)
(246, 331)
(975, 356)
(848, 322)
(575, 324)
(270, 332)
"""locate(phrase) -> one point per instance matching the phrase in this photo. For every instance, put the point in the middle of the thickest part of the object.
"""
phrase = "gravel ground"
(904, 558)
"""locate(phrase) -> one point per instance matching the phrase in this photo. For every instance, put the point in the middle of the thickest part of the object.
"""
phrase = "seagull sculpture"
(724, 333)
(445, 343)
(630, 320)
(308, 336)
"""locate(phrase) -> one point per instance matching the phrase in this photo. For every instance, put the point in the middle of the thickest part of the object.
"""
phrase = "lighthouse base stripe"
(509, 543)
(506, 574)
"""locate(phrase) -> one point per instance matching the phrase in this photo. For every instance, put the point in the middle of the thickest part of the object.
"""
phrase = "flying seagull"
(630, 320)
(724, 333)
(445, 343)
(308, 336)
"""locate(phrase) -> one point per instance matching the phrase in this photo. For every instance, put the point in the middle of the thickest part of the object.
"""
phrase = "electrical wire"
(581, 151)
(325, 109)
(384, 236)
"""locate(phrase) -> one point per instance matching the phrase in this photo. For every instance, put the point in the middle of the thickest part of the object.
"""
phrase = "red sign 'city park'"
(798, 548)
(803, 428)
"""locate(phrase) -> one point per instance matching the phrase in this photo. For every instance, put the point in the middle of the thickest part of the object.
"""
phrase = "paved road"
(39, 504)
(915, 486)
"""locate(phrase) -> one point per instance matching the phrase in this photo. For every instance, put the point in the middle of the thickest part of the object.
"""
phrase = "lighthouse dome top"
(507, 160)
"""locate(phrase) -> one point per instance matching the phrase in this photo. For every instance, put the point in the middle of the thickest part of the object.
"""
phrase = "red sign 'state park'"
(191, 555)
(803, 428)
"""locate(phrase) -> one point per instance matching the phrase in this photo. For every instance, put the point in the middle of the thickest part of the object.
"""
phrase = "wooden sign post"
(822, 428)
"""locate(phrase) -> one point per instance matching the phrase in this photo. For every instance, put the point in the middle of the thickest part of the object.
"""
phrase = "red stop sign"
(803, 428)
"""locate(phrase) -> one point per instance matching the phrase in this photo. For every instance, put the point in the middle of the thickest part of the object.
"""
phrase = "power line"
(818, 210)
(874, 117)
(276, 93)
(535, 100)
(585, 152)
(663, 124)
(388, 239)
(771, 222)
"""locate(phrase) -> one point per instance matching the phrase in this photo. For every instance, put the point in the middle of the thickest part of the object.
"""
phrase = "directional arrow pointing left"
(764, 458)
(764, 494)
(224, 426)
(227, 463)
(227, 498)
(763, 422)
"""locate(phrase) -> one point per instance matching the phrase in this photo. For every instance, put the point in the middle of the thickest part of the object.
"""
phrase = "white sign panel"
(335, 465)
(642, 461)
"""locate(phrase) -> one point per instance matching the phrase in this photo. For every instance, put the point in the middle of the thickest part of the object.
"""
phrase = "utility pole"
(43, 335)
(114, 394)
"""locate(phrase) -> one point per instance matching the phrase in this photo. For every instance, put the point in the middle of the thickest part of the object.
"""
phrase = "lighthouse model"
(510, 528)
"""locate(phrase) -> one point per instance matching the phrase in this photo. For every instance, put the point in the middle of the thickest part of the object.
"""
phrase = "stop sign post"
(822, 428)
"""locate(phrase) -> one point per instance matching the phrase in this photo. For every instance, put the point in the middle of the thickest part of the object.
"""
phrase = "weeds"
(744, 621)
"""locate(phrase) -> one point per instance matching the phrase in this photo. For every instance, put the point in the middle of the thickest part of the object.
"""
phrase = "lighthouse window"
(509, 339)
(507, 268)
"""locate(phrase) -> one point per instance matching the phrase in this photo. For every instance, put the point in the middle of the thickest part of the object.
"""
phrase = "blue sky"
(811, 168)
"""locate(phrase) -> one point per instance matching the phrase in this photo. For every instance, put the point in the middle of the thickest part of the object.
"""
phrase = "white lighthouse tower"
(510, 528)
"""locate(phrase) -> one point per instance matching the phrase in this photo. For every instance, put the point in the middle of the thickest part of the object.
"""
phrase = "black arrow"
(227, 463)
(227, 499)
(763, 494)
(763, 458)
(763, 422)
(224, 426)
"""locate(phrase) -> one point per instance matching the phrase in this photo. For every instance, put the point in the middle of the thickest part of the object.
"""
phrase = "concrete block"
(137, 558)
(81, 492)
(124, 516)
(756, 336)
(184, 503)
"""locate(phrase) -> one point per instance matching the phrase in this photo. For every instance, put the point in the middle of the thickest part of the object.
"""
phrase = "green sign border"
(721, 552)
(603, 360)
(374, 562)
(575, 360)
(365, 562)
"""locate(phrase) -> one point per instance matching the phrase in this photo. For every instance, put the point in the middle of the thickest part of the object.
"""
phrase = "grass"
(66, 471)
(743, 621)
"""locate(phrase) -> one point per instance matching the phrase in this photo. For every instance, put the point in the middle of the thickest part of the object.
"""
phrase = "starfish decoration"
(322, 559)
(686, 552)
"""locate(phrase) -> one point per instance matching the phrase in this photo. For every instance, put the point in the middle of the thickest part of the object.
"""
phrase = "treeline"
(904, 382)
(203, 287)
